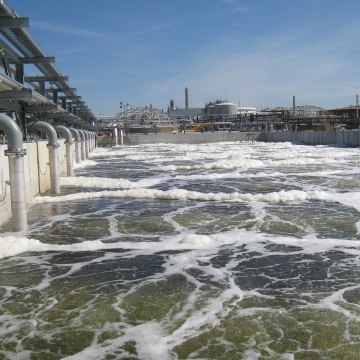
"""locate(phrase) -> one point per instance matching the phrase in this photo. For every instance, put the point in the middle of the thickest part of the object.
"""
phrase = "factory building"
(219, 109)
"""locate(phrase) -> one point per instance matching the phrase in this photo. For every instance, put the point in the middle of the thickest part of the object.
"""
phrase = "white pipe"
(87, 143)
(16, 153)
(69, 149)
(53, 146)
(7, 83)
(121, 137)
(115, 136)
(83, 152)
(77, 145)
(94, 139)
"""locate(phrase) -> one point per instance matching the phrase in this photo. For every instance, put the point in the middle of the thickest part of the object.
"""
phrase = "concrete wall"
(190, 138)
(36, 169)
(346, 137)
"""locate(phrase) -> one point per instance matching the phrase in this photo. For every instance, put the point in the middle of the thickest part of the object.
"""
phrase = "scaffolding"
(145, 117)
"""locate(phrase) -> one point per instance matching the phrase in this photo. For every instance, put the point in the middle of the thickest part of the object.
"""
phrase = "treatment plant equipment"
(143, 119)
(48, 95)
(33, 107)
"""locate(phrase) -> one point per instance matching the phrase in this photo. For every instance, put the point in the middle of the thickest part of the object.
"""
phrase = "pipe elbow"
(65, 132)
(12, 132)
(48, 129)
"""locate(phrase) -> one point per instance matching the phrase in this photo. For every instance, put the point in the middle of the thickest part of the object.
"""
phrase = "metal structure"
(47, 96)
(145, 117)
(309, 111)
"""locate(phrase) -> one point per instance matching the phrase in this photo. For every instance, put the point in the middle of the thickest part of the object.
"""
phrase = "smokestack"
(357, 105)
(172, 104)
(294, 104)
(186, 98)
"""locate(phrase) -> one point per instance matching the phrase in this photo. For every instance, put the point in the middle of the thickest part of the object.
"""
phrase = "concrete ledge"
(190, 138)
(345, 137)
(36, 169)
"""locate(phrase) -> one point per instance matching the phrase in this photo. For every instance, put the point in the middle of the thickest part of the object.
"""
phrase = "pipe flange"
(53, 146)
(16, 152)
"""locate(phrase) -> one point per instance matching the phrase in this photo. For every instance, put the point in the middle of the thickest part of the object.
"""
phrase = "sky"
(250, 52)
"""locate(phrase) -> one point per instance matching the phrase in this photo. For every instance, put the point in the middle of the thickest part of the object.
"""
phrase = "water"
(216, 251)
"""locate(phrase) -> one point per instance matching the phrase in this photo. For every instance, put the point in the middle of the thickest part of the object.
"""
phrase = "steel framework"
(309, 111)
(28, 95)
(144, 117)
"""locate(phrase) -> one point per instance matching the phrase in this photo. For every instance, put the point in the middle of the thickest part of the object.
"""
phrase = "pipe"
(87, 142)
(93, 140)
(77, 145)
(91, 148)
(69, 148)
(53, 146)
(90, 141)
(115, 135)
(16, 154)
(83, 152)
(121, 137)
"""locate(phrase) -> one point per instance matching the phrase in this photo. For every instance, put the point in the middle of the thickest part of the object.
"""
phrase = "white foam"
(182, 194)
(107, 183)
(11, 245)
(84, 163)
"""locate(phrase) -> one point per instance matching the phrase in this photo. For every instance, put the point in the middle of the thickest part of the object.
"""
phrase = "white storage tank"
(225, 108)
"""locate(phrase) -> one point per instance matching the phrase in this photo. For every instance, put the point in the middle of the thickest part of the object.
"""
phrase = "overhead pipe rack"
(27, 94)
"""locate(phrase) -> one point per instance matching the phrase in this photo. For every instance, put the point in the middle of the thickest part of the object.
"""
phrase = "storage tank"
(225, 108)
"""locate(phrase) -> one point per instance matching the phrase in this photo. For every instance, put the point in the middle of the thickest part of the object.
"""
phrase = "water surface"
(213, 251)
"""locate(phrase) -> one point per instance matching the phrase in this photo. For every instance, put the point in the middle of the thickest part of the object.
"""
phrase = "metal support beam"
(19, 73)
(61, 89)
(5, 63)
(45, 78)
(40, 108)
(10, 22)
(55, 96)
(8, 105)
(42, 88)
(21, 121)
(11, 54)
(38, 60)
(70, 97)
(16, 94)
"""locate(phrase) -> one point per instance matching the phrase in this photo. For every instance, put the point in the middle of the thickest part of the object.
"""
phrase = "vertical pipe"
(54, 168)
(53, 146)
(77, 145)
(70, 159)
(87, 139)
(92, 141)
(69, 149)
(17, 188)
(16, 154)
(115, 136)
(82, 136)
(121, 137)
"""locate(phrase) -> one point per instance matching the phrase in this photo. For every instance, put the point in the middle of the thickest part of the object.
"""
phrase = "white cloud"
(270, 72)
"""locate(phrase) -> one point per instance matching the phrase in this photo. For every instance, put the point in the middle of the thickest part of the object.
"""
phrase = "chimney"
(186, 98)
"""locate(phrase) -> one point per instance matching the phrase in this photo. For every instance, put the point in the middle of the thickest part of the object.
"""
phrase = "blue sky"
(252, 52)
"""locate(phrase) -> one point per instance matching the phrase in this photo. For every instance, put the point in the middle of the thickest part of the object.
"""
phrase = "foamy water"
(214, 251)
